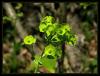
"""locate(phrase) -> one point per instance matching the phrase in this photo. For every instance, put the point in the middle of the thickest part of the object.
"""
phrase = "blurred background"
(22, 19)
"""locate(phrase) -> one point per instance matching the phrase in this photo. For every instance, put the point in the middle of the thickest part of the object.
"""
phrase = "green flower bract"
(29, 40)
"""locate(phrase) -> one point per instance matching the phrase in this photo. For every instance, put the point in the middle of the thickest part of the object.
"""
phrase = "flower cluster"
(57, 33)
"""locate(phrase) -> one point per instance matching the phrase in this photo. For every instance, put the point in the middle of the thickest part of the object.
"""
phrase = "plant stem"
(36, 68)
(32, 51)
(60, 61)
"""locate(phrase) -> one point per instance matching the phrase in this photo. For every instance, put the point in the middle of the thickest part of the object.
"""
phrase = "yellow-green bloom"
(50, 50)
(48, 19)
(29, 40)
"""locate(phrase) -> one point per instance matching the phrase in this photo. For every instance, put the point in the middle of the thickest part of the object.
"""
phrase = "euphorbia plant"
(55, 34)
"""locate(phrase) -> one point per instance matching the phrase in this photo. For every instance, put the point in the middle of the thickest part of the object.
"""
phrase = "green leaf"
(58, 52)
(34, 64)
(71, 39)
(55, 38)
(17, 47)
(84, 5)
(20, 14)
(19, 5)
(6, 18)
(50, 64)
(37, 58)
(94, 62)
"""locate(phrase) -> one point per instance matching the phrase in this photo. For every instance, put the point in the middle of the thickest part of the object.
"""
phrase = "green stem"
(38, 63)
(32, 50)
(36, 70)
(60, 61)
